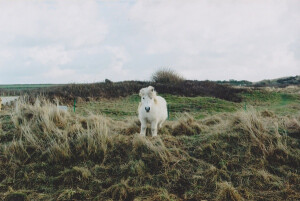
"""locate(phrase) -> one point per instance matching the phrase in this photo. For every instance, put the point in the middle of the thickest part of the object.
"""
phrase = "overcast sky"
(88, 41)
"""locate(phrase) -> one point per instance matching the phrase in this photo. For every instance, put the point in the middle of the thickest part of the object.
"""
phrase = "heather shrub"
(166, 75)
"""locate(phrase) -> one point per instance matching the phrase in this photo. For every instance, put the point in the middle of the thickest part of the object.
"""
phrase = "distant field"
(26, 86)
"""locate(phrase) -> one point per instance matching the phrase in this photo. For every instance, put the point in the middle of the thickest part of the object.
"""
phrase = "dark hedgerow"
(67, 93)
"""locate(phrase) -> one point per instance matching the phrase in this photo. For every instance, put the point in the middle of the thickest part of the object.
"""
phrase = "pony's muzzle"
(147, 109)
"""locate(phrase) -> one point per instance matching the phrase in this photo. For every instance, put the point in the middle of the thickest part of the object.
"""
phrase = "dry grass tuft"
(292, 89)
(213, 121)
(16, 196)
(186, 125)
(262, 132)
(120, 191)
(131, 127)
(228, 192)
(155, 146)
(267, 113)
(293, 127)
(43, 128)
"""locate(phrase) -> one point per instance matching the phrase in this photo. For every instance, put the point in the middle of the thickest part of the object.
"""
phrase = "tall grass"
(55, 133)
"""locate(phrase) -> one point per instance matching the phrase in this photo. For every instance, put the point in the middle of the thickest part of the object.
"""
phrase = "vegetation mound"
(166, 75)
(50, 154)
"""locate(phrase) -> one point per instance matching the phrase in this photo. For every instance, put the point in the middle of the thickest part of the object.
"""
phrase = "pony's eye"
(143, 97)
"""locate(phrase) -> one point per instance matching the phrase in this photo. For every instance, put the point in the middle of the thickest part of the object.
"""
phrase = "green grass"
(115, 108)
(26, 86)
(278, 102)
(198, 107)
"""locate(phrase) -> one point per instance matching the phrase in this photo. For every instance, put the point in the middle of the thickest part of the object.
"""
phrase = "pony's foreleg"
(143, 127)
(154, 128)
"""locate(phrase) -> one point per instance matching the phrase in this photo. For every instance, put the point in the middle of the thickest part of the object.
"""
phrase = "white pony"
(152, 109)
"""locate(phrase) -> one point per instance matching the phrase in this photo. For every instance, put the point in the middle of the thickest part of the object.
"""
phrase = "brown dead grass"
(228, 192)
(47, 153)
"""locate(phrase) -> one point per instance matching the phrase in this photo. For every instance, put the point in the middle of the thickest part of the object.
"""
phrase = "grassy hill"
(279, 82)
(210, 149)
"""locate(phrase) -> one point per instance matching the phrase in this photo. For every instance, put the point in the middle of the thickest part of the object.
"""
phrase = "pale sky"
(73, 41)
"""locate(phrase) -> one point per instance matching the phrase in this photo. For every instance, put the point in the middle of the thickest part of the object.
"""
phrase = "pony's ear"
(151, 92)
(151, 88)
(142, 92)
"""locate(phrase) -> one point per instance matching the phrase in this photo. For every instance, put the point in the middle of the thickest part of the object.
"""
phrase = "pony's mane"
(148, 91)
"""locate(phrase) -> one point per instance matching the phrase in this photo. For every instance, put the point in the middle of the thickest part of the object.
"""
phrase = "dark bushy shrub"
(166, 75)
(188, 88)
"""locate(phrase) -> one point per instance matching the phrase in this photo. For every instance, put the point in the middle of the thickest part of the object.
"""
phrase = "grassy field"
(26, 86)
(210, 149)
(280, 103)
(121, 108)
(198, 107)
(21, 89)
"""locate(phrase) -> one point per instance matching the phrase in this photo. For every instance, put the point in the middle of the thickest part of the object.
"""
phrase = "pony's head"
(148, 96)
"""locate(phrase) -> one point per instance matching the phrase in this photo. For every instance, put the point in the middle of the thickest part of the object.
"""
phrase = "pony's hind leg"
(160, 124)
(154, 128)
